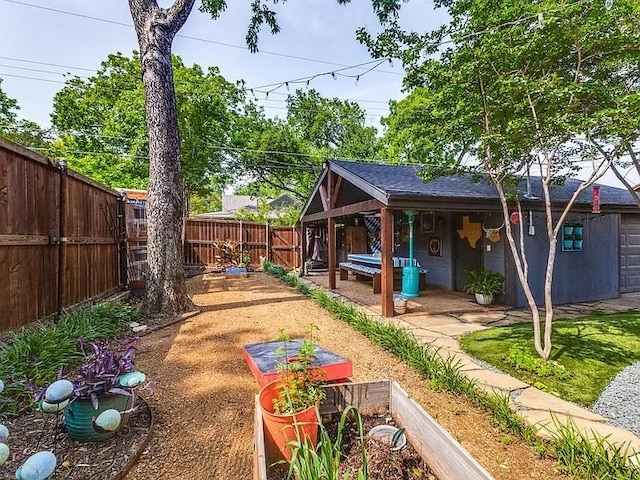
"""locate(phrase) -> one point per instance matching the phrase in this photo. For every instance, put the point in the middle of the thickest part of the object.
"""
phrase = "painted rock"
(1, 386)
(132, 379)
(4, 453)
(47, 407)
(108, 421)
(58, 391)
(39, 466)
(4, 433)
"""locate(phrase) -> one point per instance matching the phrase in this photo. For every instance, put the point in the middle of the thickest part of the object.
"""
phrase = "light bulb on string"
(308, 82)
(357, 79)
(286, 84)
(266, 94)
(390, 62)
(333, 75)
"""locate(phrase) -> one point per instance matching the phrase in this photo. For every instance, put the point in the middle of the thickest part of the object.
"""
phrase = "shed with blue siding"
(456, 215)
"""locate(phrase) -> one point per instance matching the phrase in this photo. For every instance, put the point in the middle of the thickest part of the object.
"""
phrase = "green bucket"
(79, 414)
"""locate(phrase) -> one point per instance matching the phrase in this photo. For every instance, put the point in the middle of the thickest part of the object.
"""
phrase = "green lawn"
(593, 349)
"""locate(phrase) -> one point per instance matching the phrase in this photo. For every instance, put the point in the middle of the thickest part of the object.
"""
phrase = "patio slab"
(535, 399)
(457, 328)
(427, 321)
(496, 380)
(544, 423)
(446, 343)
(482, 317)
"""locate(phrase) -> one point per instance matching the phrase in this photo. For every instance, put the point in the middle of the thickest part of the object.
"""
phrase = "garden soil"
(204, 405)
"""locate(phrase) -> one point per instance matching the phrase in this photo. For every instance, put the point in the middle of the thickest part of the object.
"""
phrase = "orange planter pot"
(280, 430)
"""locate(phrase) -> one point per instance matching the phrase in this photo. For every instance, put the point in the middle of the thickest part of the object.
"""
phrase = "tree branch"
(178, 13)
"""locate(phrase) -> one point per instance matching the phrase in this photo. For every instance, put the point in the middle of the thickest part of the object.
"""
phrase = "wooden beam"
(303, 248)
(336, 192)
(324, 198)
(386, 240)
(352, 209)
(23, 240)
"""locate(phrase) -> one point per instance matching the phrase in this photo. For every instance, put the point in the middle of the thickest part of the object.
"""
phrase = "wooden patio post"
(386, 241)
(331, 235)
(331, 240)
(303, 247)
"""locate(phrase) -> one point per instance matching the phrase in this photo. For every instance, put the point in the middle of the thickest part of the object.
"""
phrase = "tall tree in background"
(101, 121)
(156, 28)
(543, 86)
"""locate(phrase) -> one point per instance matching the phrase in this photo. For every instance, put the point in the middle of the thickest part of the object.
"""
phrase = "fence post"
(241, 242)
(62, 240)
(267, 253)
(121, 228)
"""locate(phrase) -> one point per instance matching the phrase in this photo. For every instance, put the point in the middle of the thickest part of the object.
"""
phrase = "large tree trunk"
(156, 27)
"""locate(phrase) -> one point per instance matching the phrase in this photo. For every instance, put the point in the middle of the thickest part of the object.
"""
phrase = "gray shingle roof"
(402, 180)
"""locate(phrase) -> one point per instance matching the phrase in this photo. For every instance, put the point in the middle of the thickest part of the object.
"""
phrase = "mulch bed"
(108, 460)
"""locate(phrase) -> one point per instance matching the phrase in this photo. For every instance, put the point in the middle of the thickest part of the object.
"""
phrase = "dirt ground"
(204, 405)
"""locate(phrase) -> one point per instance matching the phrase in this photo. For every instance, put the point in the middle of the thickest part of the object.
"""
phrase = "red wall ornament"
(514, 218)
(595, 199)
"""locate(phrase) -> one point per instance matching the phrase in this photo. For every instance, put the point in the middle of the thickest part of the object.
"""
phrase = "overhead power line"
(189, 37)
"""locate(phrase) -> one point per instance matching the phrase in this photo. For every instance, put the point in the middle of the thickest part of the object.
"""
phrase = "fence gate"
(285, 247)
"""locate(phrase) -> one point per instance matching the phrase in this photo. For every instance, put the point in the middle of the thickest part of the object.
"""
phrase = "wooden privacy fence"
(215, 243)
(60, 240)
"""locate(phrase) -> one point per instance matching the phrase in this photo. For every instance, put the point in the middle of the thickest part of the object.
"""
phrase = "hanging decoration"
(471, 231)
(595, 199)
(514, 218)
(492, 234)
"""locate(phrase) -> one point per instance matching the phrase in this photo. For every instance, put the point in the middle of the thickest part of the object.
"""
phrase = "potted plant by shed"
(106, 381)
(290, 403)
(485, 285)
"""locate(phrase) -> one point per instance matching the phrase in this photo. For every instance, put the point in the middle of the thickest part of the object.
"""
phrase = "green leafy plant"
(520, 357)
(484, 282)
(32, 357)
(323, 461)
(300, 383)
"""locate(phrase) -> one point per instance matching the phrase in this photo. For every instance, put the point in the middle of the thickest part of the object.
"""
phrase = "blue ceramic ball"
(39, 466)
(109, 420)
(4, 453)
(4, 433)
(58, 391)
(132, 379)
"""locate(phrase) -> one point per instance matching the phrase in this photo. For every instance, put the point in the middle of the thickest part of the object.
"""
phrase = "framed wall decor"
(427, 222)
(435, 246)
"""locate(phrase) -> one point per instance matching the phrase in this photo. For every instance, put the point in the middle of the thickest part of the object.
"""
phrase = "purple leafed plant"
(101, 368)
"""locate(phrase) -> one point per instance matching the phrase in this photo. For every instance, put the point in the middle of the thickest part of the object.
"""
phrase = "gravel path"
(204, 404)
(619, 402)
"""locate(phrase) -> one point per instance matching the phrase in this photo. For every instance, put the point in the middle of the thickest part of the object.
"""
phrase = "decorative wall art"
(572, 237)
(471, 231)
(428, 222)
(435, 246)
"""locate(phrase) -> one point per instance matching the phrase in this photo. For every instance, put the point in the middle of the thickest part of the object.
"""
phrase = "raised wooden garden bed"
(447, 459)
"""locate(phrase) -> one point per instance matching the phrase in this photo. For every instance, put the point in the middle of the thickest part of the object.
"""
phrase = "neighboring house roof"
(403, 181)
(233, 203)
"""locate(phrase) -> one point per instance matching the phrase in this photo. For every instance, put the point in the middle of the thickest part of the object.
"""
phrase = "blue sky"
(316, 29)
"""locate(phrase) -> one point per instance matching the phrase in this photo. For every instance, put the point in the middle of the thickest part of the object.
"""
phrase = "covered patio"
(364, 220)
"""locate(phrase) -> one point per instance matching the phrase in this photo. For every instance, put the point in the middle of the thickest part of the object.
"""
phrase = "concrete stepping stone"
(535, 399)
(427, 321)
(496, 380)
(445, 343)
(456, 329)
(482, 317)
(543, 422)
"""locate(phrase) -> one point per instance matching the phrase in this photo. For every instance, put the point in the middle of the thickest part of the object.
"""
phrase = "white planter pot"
(484, 299)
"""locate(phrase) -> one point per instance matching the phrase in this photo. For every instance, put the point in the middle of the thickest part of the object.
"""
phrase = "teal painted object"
(108, 421)
(39, 466)
(4, 433)
(410, 282)
(132, 379)
(411, 274)
(79, 415)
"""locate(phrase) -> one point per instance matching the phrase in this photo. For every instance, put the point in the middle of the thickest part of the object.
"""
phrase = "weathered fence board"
(58, 237)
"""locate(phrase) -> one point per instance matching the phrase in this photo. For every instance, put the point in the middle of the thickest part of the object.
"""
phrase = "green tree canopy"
(101, 121)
